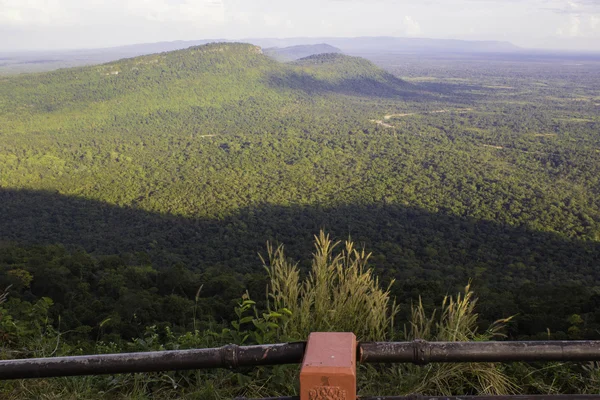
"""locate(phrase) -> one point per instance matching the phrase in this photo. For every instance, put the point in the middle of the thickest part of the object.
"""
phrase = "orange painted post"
(329, 367)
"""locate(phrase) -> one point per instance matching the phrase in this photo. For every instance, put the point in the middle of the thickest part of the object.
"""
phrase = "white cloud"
(571, 28)
(272, 20)
(580, 26)
(570, 6)
(11, 16)
(201, 11)
(32, 12)
(82, 12)
(595, 24)
(99, 23)
(412, 27)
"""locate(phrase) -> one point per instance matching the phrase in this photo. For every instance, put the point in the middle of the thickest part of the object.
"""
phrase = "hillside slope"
(112, 132)
(206, 77)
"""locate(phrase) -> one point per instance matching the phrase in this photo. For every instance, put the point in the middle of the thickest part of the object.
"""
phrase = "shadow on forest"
(426, 252)
(387, 87)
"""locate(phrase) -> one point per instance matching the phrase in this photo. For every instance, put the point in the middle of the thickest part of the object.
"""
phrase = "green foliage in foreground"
(456, 320)
(340, 293)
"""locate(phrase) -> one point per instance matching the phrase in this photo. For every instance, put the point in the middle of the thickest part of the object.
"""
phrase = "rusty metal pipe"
(421, 352)
(230, 356)
(421, 397)
(518, 397)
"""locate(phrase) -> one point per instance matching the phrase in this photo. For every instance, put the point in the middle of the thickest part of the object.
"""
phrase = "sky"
(70, 24)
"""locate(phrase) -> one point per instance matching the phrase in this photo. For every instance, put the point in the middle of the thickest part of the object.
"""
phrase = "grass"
(339, 294)
(456, 320)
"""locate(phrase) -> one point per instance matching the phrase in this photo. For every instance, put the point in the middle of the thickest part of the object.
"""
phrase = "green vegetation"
(340, 294)
(126, 187)
(27, 331)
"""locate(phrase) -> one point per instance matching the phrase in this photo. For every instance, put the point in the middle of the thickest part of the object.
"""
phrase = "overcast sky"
(64, 24)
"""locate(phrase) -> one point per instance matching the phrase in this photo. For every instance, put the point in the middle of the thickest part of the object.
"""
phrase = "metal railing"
(232, 356)
(421, 397)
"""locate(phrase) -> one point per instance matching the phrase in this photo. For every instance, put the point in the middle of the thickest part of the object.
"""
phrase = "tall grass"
(456, 320)
(339, 294)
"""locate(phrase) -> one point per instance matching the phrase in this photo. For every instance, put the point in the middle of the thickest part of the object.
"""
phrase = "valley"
(127, 186)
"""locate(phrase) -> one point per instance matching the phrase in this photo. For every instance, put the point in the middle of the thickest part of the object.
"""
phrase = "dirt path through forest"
(459, 111)
(390, 116)
(380, 122)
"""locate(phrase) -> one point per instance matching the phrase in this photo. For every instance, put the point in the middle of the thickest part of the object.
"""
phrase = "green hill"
(113, 132)
(292, 53)
(206, 76)
(352, 75)
(185, 83)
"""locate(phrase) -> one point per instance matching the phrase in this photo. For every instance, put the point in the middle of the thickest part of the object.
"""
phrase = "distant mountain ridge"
(390, 44)
(289, 50)
(343, 44)
(301, 51)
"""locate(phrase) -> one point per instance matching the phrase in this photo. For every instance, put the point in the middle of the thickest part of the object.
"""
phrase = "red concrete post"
(329, 367)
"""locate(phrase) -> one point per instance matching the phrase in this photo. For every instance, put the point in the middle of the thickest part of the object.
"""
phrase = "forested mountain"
(126, 186)
(301, 51)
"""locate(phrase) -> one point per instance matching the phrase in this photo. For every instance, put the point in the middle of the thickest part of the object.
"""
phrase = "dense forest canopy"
(126, 186)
